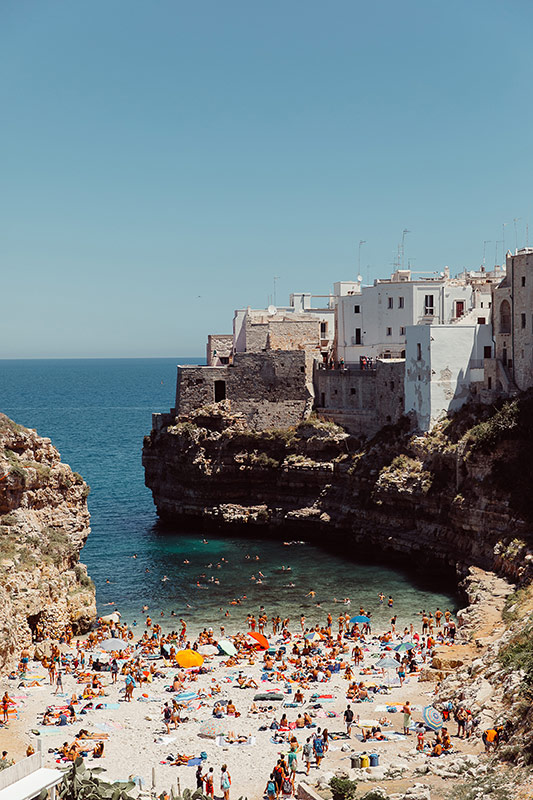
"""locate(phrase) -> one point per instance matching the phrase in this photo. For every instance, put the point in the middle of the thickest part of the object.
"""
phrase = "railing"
(20, 770)
(476, 363)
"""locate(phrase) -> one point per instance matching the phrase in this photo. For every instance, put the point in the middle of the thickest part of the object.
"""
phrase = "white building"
(372, 320)
(442, 363)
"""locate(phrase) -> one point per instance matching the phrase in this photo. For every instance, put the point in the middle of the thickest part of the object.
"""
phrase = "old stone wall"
(271, 333)
(362, 401)
(271, 389)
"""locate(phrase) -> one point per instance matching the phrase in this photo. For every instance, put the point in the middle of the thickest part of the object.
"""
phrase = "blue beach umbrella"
(387, 663)
(432, 718)
(359, 618)
(404, 647)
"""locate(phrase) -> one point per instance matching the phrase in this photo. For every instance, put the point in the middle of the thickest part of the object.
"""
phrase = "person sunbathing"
(298, 697)
(181, 760)
(231, 738)
(230, 709)
(98, 751)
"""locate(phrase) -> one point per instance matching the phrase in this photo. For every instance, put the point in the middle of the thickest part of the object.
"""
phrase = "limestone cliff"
(44, 523)
(456, 495)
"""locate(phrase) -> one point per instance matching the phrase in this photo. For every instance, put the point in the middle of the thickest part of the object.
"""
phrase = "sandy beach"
(136, 742)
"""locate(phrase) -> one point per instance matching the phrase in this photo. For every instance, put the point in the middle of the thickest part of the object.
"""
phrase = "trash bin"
(374, 759)
(365, 761)
(355, 761)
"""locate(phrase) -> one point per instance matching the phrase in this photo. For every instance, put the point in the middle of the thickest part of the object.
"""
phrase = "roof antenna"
(405, 231)
(485, 243)
(515, 220)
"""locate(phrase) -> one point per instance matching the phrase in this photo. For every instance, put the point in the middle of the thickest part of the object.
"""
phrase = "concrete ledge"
(306, 792)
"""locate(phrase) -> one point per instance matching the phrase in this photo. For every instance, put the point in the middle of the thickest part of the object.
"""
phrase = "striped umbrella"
(404, 647)
(432, 718)
(314, 636)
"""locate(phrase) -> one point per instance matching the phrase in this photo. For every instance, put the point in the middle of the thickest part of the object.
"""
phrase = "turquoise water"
(96, 412)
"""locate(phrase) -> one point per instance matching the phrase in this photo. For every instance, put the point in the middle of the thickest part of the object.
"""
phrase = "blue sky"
(163, 161)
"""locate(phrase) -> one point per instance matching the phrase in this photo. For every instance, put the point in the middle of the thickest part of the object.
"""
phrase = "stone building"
(511, 368)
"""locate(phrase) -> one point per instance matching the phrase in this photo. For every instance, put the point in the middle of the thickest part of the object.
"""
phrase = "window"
(489, 382)
(352, 390)
(357, 336)
(505, 317)
(459, 308)
(322, 399)
(481, 304)
(523, 320)
(392, 386)
(390, 302)
(481, 321)
(523, 280)
(418, 351)
(487, 351)
(323, 330)
(389, 331)
(402, 330)
(400, 302)
(429, 301)
(357, 309)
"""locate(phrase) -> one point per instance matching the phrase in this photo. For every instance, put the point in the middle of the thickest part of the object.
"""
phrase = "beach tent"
(261, 640)
(189, 658)
(227, 647)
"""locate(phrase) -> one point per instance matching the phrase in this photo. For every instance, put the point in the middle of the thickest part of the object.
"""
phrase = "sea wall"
(430, 498)
(44, 523)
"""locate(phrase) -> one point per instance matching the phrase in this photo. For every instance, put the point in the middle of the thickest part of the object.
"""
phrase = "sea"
(96, 412)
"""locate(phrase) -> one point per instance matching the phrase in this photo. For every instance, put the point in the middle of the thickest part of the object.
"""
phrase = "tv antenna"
(276, 278)
(361, 243)
(515, 220)
(485, 243)
(404, 233)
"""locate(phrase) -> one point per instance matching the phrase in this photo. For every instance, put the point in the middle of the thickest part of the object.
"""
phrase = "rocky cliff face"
(436, 497)
(44, 523)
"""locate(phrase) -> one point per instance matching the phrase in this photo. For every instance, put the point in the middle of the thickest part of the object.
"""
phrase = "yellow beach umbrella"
(189, 658)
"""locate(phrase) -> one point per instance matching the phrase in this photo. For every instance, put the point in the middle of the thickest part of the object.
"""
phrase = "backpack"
(348, 715)
(271, 787)
(286, 787)
(307, 750)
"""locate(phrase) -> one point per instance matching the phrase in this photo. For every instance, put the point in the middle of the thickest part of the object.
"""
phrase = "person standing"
(318, 747)
(225, 781)
(292, 760)
(6, 702)
(59, 682)
(406, 710)
(348, 718)
(209, 780)
(307, 752)
(199, 777)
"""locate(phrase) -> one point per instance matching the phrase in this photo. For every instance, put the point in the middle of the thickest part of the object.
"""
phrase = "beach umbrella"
(359, 618)
(313, 637)
(368, 723)
(261, 640)
(208, 650)
(189, 658)
(404, 647)
(211, 729)
(432, 718)
(112, 644)
(387, 663)
(227, 647)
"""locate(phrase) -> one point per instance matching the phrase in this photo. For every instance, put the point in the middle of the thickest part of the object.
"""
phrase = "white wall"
(440, 381)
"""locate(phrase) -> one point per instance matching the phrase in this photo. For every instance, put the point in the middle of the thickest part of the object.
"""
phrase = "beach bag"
(226, 782)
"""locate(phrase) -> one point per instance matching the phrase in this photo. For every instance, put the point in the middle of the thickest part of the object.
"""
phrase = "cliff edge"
(457, 495)
(44, 523)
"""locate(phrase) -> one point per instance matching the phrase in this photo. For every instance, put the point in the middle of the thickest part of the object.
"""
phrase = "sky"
(161, 163)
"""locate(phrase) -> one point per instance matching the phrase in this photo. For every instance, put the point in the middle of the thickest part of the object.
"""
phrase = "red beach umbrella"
(261, 640)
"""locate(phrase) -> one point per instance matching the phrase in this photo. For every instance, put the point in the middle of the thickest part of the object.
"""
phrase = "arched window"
(505, 317)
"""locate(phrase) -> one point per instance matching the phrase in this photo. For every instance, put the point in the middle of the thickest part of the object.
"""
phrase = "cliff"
(455, 496)
(44, 523)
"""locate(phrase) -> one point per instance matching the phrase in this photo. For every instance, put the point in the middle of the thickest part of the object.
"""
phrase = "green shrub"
(8, 519)
(343, 788)
(487, 434)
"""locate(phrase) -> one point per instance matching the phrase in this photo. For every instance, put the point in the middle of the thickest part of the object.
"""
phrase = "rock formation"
(44, 523)
(444, 496)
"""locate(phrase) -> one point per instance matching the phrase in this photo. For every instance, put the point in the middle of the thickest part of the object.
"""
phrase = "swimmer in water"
(134, 555)
(311, 593)
(186, 561)
(145, 608)
(164, 578)
(205, 541)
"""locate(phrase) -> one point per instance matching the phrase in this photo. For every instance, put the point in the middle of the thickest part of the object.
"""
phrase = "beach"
(137, 744)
